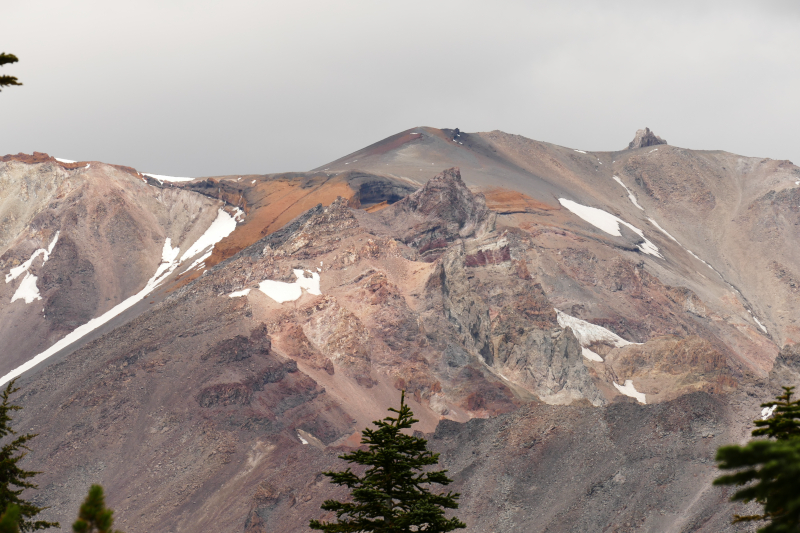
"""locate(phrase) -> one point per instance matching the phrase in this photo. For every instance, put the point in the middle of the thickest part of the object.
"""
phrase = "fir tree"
(8, 80)
(9, 522)
(13, 479)
(94, 516)
(393, 495)
(769, 470)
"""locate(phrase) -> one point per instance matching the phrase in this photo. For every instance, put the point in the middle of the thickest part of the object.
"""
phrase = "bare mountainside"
(578, 331)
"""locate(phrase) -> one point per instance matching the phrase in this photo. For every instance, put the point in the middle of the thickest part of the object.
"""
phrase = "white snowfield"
(236, 294)
(587, 333)
(159, 177)
(629, 390)
(609, 223)
(631, 196)
(220, 228)
(289, 292)
(27, 290)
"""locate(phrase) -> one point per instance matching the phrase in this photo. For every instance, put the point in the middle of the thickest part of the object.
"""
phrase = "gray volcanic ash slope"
(578, 331)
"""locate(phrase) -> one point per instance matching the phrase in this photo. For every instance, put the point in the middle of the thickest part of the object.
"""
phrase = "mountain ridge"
(519, 303)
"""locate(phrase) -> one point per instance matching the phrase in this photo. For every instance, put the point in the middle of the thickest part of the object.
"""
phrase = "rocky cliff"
(574, 347)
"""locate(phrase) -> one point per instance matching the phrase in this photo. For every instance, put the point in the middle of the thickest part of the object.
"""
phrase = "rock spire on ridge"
(645, 138)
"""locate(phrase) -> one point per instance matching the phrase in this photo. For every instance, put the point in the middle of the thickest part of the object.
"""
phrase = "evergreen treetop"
(8, 80)
(94, 516)
(393, 495)
(13, 479)
(769, 470)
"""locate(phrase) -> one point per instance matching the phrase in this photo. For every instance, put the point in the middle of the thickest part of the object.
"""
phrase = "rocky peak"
(645, 138)
(443, 210)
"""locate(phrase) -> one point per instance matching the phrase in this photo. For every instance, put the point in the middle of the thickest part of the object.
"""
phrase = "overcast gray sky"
(201, 87)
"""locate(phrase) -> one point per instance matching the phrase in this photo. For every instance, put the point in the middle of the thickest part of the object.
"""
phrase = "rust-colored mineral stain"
(500, 199)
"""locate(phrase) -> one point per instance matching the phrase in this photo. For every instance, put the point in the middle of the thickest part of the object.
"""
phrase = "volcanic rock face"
(573, 376)
(438, 213)
(645, 138)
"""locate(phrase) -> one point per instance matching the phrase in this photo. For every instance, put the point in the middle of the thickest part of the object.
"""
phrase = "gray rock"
(645, 138)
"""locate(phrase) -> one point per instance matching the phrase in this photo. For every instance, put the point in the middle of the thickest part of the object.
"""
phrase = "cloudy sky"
(201, 87)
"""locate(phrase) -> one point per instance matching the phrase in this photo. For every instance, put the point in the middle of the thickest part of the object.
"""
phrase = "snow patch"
(222, 226)
(581, 151)
(236, 294)
(288, 292)
(609, 223)
(760, 324)
(27, 290)
(767, 412)
(238, 215)
(279, 291)
(68, 161)
(16, 272)
(629, 390)
(168, 264)
(304, 441)
(631, 197)
(587, 333)
(159, 177)
(252, 182)
(310, 284)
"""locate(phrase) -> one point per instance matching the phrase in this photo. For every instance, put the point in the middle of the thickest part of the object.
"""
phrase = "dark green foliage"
(769, 470)
(13, 479)
(785, 420)
(9, 522)
(94, 517)
(8, 80)
(392, 496)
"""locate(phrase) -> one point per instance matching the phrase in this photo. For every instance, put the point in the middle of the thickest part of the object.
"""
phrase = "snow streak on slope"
(609, 223)
(630, 194)
(587, 333)
(161, 178)
(629, 390)
(28, 290)
(755, 319)
(168, 264)
(220, 228)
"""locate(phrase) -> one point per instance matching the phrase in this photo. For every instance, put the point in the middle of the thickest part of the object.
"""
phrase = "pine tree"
(9, 522)
(769, 469)
(393, 495)
(13, 479)
(94, 516)
(8, 80)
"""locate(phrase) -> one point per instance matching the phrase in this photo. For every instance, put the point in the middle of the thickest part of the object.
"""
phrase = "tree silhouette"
(8, 80)
(13, 479)
(393, 494)
(769, 470)
(94, 516)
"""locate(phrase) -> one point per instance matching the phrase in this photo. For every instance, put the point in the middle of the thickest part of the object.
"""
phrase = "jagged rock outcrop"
(645, 138)
(463, 307)
(786, 370)
(440, 212)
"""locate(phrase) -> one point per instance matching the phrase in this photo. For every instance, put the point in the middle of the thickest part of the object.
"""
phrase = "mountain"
(578, 332)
